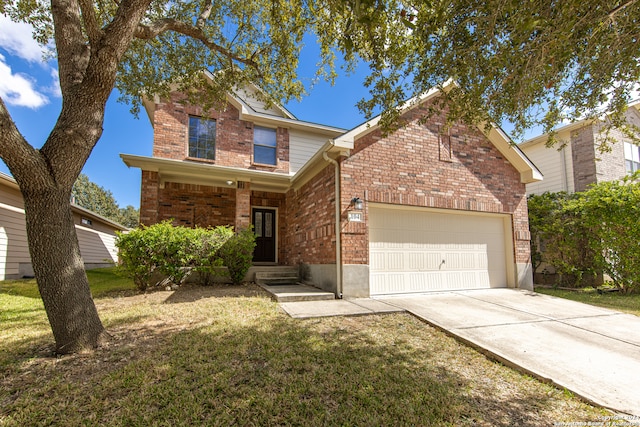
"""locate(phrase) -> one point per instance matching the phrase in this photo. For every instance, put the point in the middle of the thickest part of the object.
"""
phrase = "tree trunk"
(59, 270)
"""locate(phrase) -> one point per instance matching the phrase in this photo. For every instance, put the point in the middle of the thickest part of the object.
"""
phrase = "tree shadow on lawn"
(260, 370)
(190, 292)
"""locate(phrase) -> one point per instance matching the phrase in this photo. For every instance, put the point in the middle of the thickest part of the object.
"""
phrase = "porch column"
(243, 205)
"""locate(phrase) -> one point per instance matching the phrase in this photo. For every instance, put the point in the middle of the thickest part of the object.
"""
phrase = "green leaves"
(590, 232)
(173, 252)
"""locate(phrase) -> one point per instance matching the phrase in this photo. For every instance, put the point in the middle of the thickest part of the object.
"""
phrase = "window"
(264, 146)
(631, 157)
(202, 138)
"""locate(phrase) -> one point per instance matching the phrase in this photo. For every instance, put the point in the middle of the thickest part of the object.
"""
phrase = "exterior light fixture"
(357, 203)
(229, 182)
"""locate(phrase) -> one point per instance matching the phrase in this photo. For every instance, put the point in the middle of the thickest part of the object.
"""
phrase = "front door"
(264, 226)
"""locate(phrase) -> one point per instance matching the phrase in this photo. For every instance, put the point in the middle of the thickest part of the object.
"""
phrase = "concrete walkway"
(591, 351)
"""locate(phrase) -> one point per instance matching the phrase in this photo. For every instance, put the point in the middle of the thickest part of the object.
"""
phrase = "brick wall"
(416, 166)
(310, 220)
(196, 205)
(234, 137)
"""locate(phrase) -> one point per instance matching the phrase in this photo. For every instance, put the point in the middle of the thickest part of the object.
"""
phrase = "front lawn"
(628, 303)
(227, 355)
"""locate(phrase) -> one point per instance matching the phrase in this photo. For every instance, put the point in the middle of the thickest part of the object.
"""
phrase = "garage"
(415, 250)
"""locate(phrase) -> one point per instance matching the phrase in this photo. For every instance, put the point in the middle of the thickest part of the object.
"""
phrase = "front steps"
(283, 284)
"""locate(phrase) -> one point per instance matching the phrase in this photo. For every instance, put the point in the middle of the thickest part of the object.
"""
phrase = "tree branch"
(617, 9)
(207, 7)
(147, 32)
(90, 22)
(20, 157)
(73, 53)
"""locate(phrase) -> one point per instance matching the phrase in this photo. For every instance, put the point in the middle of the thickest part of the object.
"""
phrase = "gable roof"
(528, 171)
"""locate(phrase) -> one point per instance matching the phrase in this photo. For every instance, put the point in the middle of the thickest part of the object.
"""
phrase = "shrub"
(237, 254)
(612, 211)
(136, 257)
(174, 252)
(591, 232)
(560, 238)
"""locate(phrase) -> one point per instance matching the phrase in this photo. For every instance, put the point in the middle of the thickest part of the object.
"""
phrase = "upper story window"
(202, 138)
(264, 146)
(631, 157)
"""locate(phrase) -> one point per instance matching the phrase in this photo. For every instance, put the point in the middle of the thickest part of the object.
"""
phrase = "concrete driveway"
(591, 351)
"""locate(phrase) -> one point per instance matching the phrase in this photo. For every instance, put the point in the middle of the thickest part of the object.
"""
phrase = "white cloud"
(15, 38)
(19, 89)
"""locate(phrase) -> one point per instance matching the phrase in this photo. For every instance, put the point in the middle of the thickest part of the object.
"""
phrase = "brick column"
(243, 205)
(149, 198)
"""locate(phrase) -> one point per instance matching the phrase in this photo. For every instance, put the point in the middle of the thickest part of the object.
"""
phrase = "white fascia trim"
(528, 171)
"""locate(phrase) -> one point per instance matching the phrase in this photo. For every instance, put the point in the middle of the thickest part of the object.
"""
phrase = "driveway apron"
(591, 351)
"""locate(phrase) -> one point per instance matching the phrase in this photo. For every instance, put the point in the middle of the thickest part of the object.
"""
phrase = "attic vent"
(444, 139)
(241, 185)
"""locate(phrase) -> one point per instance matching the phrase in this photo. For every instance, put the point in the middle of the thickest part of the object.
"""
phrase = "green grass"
(628, 303)
(227, 355)
(102, 281)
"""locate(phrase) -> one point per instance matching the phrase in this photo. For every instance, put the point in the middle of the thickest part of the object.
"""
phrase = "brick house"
(578, 163)
(418, 210)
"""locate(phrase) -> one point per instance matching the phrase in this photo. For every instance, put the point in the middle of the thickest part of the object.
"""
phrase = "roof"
(8, 181)
(579, 124)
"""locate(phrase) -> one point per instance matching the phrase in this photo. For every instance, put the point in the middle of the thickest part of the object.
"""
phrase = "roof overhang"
(190, 172)
(528, 171)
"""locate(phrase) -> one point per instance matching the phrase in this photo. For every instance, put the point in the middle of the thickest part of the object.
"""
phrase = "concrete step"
(297, 292)
(276, 276)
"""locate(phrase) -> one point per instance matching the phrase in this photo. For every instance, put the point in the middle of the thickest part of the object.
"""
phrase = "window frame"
(264, 146)
(200, 145)
(631, 165)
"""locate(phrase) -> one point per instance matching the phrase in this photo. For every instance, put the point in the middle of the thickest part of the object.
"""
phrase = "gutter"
(338, 202)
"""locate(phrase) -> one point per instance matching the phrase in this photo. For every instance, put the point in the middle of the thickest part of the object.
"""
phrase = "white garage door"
(418, 250)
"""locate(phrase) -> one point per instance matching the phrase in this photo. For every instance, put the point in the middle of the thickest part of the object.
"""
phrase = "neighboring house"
(96, 234)
(577, 163)
(421, 209)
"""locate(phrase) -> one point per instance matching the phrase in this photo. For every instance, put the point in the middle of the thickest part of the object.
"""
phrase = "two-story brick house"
(577, 162)
(421, 209)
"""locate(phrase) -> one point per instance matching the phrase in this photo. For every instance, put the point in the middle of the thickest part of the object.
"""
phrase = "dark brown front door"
(264, 225)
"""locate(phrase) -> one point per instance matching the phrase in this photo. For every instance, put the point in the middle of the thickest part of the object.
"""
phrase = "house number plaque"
(355, 216)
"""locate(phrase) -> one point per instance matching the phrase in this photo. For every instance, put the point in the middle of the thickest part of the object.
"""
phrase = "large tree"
(507, 56)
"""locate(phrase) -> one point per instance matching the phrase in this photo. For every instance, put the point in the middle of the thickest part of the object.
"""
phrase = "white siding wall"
(556, 167)
(14, 245)
(96, 247)
(302, 146)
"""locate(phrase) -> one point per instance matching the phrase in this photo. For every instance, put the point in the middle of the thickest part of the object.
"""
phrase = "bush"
(591, 232)
(237, 254)
(174, 252)
(560, 238)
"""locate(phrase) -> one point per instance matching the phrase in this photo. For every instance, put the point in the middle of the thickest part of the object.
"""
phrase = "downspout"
(338, 202)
